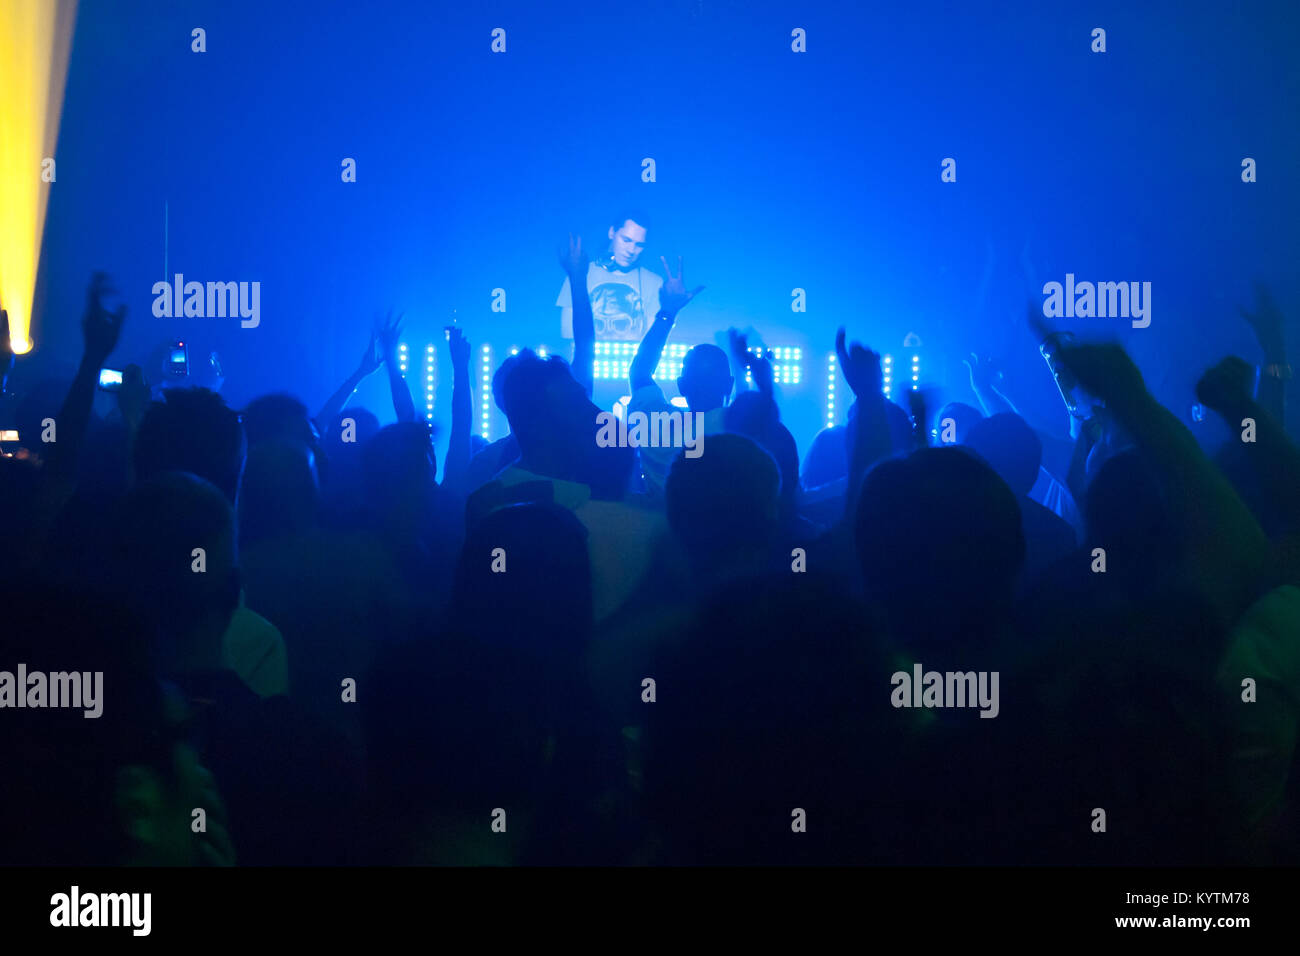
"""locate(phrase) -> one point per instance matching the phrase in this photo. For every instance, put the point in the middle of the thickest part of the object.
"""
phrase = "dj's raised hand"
(572, 259)
(673, 296)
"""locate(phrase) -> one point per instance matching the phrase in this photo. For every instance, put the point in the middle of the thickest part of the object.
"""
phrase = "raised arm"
(101, 330)
(389, 334)
(738, 357)
(1227, 553)
(984, 380)
(462, 411)
(673, 297)
(371, 359)
(574, 263)
(869, 433)
(1276, 459)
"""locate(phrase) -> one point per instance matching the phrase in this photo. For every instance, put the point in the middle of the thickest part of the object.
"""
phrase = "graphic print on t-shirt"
(622, 302)
(618, 311)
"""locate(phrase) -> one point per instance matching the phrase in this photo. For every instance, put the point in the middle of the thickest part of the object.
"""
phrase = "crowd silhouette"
(555, 652)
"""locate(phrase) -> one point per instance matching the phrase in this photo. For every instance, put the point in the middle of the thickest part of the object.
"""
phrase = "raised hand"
(861, 367)
(371, 358)
(673, 296)
(1266, 321)
(100, 327)
(983, 373)
(1227, 385)
(760, 369)
(388, 332)
(459, 347)
(573, 260)
(739, 345)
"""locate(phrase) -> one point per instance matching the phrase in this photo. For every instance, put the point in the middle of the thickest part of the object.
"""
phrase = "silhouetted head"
(725, 504)
(963, 418)
(191, 430)
(174, 555)
(1008, 444)
(758, 419)
(280, 492)
(706, 378)
(399, 473)
(503, 372)
(364, 426)
(550, 415)
(939, 540)
(524, 579)
(278, 416)
(827, 459)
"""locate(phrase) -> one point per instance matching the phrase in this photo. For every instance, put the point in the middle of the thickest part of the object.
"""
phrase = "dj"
(624, 295)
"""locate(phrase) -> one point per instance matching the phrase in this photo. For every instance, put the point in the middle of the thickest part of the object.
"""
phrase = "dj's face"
(626, 242)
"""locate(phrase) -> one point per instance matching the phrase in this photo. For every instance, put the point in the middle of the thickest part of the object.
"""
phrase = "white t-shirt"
(623, 304)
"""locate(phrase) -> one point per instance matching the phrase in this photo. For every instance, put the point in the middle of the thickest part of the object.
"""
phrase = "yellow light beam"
(35, 40)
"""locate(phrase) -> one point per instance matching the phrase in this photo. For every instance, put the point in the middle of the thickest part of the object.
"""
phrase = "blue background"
(775, 170)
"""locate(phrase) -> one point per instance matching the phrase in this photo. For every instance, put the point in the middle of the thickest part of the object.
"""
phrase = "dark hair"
(397, 453)
(528, 396)
(192, 430)
(939, 518)
(638, 216)
(745, 517)
(276, 416)
(1014, 450)
(503, 372)
(157, 527)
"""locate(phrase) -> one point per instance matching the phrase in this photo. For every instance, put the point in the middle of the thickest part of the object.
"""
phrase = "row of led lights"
(601, 369)
(887, 369)
(430, 374)
(780, 353)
